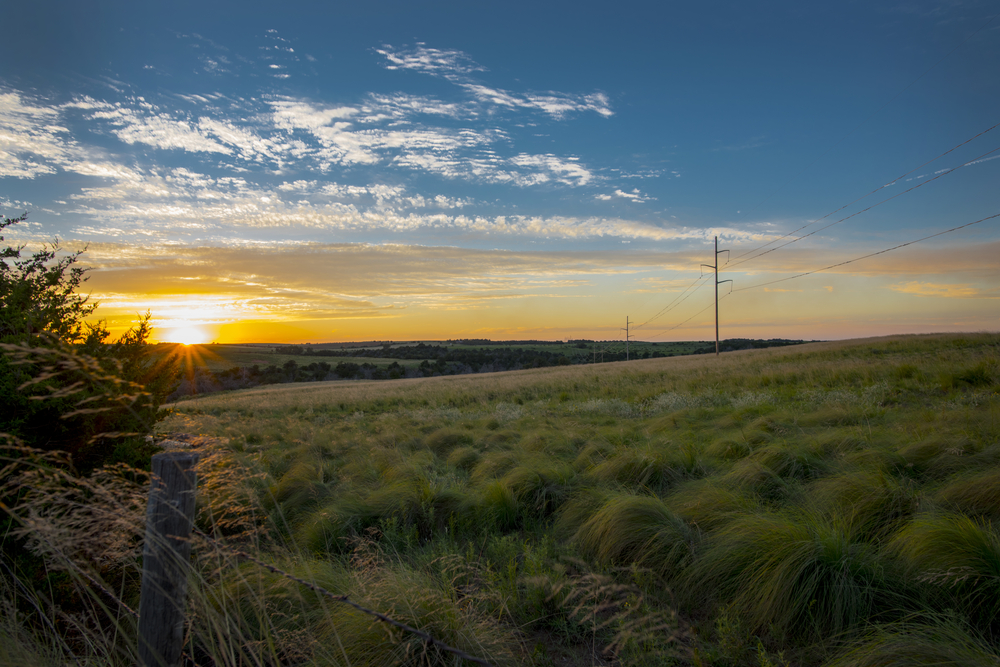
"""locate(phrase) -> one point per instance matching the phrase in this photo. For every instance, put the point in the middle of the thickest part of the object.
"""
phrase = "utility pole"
(626, 337)
(715, 267)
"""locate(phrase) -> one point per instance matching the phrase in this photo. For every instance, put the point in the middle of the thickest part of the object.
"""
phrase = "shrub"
(65, 387)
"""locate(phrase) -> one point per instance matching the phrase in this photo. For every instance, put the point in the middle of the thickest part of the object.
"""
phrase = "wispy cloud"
(339, 272)
(951, 291)
(31, 139)
(634, 196)
(428, 60)
(458, 67)
(557, 105)
(166, 204)
(159, 130)
(287, 133)
(402, 106)
(567, 171)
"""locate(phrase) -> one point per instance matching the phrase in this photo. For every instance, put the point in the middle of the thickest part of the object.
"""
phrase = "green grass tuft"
(873, 502)
(975, 494)
(792, 572)
(464, 458)
(638, 530)
(498, 508)
(945, 643)
(541, 485)
(708, 504)
(444, 440)
(956, 558)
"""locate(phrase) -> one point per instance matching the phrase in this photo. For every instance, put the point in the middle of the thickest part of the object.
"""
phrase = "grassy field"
(216, 357)
(831, 504)
(219, 357)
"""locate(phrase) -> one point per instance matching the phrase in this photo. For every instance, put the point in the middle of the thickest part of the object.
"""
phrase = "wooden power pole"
(626, 337)
(715, 267)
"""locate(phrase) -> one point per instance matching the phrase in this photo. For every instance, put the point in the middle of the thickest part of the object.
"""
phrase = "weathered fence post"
(165, 557)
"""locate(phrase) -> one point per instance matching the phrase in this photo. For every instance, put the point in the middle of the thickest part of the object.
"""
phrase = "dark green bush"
(65, 385)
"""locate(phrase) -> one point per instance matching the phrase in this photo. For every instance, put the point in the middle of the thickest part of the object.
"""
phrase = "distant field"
(830, 504)
(219, 357)
(216, 357)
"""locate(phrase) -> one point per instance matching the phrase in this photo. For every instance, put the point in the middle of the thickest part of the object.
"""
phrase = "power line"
(826, 268)
(890, 101)
(878, 189)
(864, 210)
(683, 296)
(687, 320)
(880, 252)
(670, 306)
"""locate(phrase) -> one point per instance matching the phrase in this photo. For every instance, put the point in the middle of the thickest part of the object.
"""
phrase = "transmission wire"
(880, 252)
(890, 183)
(864, 210)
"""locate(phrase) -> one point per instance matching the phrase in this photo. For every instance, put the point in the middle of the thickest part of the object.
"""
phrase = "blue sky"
(328, 171)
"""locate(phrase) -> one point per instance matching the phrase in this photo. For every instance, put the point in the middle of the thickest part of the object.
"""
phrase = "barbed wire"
(431, 641)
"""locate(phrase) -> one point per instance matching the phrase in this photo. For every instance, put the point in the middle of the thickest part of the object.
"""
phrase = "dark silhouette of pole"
(716, 296)
(715, 268)
(626, 337)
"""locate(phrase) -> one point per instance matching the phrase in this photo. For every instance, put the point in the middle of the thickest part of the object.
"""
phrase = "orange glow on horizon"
(187, 334)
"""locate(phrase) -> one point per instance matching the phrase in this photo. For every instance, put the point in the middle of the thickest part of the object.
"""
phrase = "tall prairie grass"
(814, 505)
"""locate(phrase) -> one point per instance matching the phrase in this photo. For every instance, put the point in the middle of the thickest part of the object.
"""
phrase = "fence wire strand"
(431, 641)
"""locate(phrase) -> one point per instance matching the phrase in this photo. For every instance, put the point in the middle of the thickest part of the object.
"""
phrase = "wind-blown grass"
(797, 573)
(638, 530)
(937, 642)
(956, 558)
(871, 501)
(267, 608)
(811, 502)
(974, 494)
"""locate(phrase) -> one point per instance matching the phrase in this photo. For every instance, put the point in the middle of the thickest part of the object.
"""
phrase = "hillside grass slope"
(830, 504)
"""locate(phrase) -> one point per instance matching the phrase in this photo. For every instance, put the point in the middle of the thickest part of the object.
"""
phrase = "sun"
(186, 335)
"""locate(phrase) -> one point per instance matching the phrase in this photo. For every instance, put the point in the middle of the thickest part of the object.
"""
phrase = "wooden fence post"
(165, 558)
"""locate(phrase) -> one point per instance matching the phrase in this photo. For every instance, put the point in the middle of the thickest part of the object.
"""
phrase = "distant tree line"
(499, 358)
(733, 344)
(436, 360)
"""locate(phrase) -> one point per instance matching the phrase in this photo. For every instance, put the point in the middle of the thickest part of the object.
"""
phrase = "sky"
(402, 170)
